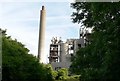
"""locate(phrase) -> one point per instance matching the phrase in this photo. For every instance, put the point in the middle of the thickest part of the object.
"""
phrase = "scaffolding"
(54, 50)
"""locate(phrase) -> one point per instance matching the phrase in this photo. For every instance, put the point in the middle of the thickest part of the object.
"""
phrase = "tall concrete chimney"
(41, 44)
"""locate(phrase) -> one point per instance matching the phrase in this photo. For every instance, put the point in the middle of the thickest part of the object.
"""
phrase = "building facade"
(61, 53)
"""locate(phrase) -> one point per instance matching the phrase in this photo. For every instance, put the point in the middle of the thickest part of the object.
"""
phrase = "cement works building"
(62, 53)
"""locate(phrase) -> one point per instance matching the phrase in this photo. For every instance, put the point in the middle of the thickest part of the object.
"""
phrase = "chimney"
(41, 42)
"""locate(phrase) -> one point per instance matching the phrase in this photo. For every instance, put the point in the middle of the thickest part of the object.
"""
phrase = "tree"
(99, 60)
(18, 64)
(62, 74)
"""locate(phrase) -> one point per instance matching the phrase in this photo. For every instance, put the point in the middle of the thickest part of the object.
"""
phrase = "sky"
(21, 19)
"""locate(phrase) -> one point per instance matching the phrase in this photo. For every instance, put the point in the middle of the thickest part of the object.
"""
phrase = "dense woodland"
(98, 61)
(18, 64)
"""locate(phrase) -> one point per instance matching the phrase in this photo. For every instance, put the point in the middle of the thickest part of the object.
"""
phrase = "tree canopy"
(18, 64)
(99, 60)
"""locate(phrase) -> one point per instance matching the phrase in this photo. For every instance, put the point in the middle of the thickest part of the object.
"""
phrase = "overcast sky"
(21, 19)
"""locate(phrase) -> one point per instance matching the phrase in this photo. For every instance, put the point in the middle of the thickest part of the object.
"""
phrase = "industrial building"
(62, 53)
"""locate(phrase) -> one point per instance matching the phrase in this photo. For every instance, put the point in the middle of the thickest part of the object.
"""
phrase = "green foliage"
(18, 65)
(54, 74)
(71, 78)
(49, 73)
(62, 74)
(100, 60)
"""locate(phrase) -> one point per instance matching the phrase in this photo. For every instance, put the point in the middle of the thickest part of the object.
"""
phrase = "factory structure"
(41, 41)
(62, 53)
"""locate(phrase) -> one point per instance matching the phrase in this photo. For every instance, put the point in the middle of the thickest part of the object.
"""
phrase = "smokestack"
(41, 45)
